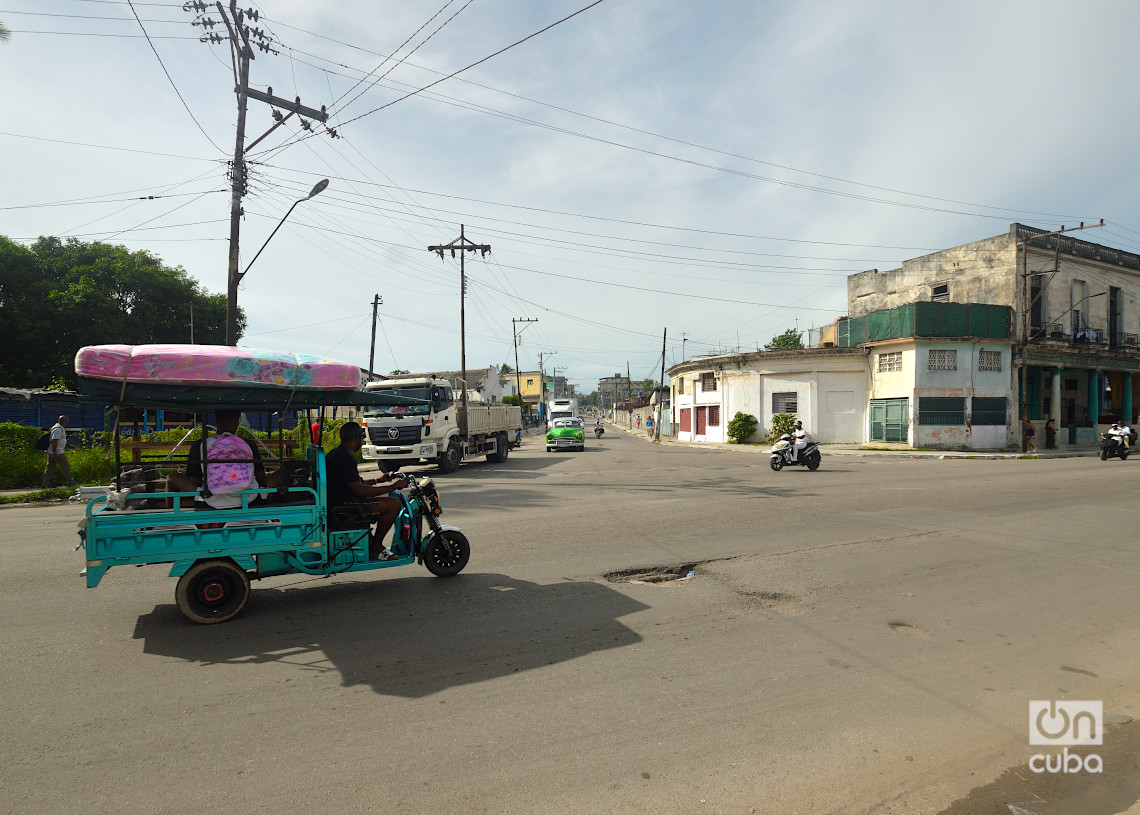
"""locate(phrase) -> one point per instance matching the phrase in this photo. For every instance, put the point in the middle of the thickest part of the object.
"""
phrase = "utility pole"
(660, 388)
(463, 246)
(377, 301)
(628, 395)
(557, 395)
(518, 374)
(240, 34)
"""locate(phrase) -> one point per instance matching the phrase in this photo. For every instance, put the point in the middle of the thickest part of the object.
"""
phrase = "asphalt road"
(861, 639)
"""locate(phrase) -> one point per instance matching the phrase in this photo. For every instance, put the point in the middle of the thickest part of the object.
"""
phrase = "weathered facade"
(826, 388)
(1075, 322)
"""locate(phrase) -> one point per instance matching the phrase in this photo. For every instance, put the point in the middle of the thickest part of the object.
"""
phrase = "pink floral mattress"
(213, 365)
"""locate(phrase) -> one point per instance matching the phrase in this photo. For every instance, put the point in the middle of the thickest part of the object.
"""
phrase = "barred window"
(891, 361)
(785, 402)
(714, 415)
(681, 385)
(942, 410)
(708, 383)
(989, 361)
(942, 360)
(988, 411)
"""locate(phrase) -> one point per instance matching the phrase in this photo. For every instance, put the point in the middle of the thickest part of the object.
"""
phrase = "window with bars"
(988, 411)
(714, 415)
(681, 385)
(891, 361)
(989, 360)
(785, 402)
(708, 383)
(942, 360)
(940, 293)
(942, 410)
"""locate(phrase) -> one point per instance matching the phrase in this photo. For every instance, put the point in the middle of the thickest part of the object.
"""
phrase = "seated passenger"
(347, 488)
(226, 480)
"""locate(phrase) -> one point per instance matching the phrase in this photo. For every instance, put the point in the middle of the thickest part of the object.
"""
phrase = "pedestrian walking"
(649, 426)
(57, 456)
(1030, 432)
(639, 421)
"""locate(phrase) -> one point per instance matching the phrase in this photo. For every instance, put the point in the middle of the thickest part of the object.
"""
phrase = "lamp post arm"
(271, 234)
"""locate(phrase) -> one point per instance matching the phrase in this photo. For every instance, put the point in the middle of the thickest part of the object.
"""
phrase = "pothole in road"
(910, 630)
(652, 574)
(773, 600)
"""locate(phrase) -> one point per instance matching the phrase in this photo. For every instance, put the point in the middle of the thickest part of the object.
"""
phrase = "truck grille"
(409, 434)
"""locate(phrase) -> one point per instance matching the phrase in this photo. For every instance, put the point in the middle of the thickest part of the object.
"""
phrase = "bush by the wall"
(781, 423)
(741, 428)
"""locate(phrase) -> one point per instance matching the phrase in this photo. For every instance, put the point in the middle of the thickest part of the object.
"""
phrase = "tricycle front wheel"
(212, 591)
(447, 553)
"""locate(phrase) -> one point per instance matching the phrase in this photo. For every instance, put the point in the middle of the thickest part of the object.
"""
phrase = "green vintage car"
(566, 434)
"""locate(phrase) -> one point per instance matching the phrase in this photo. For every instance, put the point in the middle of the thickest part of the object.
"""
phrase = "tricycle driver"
(347, 488)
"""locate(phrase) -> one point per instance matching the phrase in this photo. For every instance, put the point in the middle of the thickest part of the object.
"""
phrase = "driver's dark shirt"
(340, 471)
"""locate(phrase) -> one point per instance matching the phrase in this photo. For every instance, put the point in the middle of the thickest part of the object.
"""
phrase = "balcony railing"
(1090, 336)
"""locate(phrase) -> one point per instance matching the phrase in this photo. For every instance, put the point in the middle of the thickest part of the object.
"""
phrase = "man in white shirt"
(799, 440)
(56, 453)
(1121, 433)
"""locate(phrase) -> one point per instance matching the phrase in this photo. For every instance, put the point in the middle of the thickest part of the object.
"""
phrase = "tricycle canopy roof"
(207, 377)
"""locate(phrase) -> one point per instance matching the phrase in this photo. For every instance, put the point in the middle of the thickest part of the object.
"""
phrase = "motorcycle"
(1111, 447)
(598, 431)
(782, 455)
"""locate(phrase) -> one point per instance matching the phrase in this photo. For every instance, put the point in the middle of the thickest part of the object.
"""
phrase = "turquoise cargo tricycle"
(287, 529)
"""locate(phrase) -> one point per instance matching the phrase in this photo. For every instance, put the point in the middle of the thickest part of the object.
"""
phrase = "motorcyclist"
(1120, 433)
(799, 440)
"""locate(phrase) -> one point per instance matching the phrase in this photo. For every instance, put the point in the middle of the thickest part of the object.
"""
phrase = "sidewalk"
(876, 450)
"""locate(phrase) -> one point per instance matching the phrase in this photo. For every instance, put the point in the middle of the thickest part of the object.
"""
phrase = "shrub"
(781, 423)
(742, 426)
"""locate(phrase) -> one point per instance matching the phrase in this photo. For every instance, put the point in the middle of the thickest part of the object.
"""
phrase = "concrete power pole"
(463, 246)
(377, 301)
(240, 36)
(518, 381)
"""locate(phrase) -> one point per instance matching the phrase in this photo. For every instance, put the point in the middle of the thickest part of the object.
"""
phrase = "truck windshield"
(417, 392)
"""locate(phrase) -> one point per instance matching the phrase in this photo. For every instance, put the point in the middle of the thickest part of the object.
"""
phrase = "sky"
(703, 173)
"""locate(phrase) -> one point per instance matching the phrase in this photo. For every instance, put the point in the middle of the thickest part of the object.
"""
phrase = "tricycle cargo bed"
(126, 537)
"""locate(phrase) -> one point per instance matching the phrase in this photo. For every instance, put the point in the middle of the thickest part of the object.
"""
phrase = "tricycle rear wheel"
(212, 591)
(447, 553)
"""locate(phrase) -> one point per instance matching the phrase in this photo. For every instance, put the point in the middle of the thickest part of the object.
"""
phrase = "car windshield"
(416, 392)
(567, 422)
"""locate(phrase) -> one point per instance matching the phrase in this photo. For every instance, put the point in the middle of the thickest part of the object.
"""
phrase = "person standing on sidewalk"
(1030, 431)
(1050, 435)
(57, 456)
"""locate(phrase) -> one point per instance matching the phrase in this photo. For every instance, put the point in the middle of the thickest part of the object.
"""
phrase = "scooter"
(1111, 447)
(598, 431)
(782, 455)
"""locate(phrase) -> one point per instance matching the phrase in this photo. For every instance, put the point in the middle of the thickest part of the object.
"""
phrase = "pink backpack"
(229, 477)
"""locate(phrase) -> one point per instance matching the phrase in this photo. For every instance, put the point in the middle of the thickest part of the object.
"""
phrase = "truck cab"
(408, 434)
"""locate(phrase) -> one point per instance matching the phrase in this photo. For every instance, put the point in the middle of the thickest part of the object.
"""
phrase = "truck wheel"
(501, 449)
(449, 458)
(212, 591)
(447, 553)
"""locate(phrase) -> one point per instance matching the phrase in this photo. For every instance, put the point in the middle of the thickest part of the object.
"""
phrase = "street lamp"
(231, 317)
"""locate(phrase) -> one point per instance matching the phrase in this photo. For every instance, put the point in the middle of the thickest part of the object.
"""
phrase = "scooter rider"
(799, 440)
(1120, 433)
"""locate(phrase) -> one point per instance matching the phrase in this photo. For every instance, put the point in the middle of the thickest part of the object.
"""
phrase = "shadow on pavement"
(408, 637)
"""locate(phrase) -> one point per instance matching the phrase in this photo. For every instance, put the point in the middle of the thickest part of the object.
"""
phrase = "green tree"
(790, 340)
(57, 296)
(398, 372)
(506, 369)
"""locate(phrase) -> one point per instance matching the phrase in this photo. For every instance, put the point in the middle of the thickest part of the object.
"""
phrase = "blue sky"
(716, 169)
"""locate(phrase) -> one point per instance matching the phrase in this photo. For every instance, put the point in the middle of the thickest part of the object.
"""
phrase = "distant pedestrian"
(649, 426)
(1050, 435)
(1030, 432)
(639, 421)
(57, 456)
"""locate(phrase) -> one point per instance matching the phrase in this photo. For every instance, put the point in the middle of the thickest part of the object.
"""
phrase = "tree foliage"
(57, 296)
(781, 423)
(398, 372)
(790, 340)
(506, 369)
